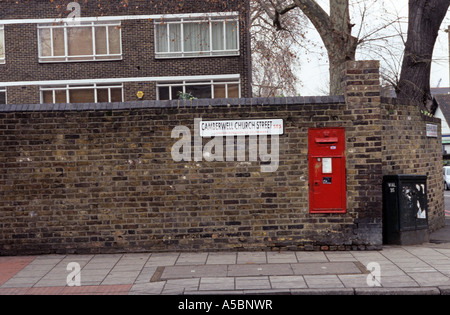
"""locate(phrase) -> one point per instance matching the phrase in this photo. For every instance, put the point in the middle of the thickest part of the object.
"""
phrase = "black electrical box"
(405, 210)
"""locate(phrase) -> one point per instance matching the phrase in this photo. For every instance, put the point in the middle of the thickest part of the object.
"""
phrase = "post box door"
(327, 192)
(327, 176)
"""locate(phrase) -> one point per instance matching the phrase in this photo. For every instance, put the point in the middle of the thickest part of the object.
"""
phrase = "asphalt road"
(443, 235)
(447, 202)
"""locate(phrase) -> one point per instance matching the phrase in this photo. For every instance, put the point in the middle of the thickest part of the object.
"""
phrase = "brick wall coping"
(257, 101)
(305, 100)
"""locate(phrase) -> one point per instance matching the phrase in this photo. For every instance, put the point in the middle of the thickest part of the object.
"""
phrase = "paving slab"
(251, 258)
(162, 259)
(217, 283)
(311, 257)
(153, 288)
(179, 286)
(192, 258)
(281, 257)
(221, 258)
(199, 271)
(287, 282)
(260, 270)
(325, 268)
(251, 283)
(323, 281)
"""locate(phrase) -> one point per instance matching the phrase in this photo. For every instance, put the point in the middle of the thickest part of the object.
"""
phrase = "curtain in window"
(116, 95)
(45, 46)
(232, 34)
(161, 38)
(60, 96)
(175, 37)
(47, 97)
(233, 90)
(82, 96)
(220, 91)
(58, 42)
(102, 96)
(101, 46)
(217, 35)
(114, 39)
(79, 41)
(2, 44)
(196, 37)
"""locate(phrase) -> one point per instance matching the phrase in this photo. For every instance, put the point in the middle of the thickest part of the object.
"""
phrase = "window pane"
(176, 91)
(47, 97)
(163, 92)
(102, 96)
(82, 96)
(80, 41)
(114, 39)
(60, 96)
(233, 90)
(219, 91)
(175, 37)
(196, 36)
(58, 42)
(116, 95)
(161, 38)
(199, 91)
(45, 43)
(100, 41)
(217, 35)
(232, 35)
(2, 98)
(2, 44)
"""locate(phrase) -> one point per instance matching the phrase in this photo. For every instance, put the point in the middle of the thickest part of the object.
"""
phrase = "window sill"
(208, 55)
(72, 61)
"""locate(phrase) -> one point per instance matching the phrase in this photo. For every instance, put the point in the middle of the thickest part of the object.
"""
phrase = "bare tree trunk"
(342, 46)
(425, 18)
(334, 29)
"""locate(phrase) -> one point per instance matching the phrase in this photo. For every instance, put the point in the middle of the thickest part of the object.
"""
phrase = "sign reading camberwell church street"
(241, 127)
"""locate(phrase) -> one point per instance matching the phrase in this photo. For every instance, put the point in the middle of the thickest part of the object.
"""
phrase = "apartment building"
(112, 51)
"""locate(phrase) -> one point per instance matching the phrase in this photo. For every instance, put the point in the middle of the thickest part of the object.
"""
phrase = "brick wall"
(408, 150)
(137, 44)
(100, 177)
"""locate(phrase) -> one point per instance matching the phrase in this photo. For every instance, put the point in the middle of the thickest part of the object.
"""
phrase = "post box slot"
(327, 140)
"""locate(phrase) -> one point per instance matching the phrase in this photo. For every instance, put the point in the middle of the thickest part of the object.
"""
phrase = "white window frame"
(3, 59)
(194, 54)
(68, 58)
(3, 90)
(188, 83)
(67, 88)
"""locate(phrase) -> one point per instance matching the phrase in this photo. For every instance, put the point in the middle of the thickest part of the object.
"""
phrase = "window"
(90, 41)
(97, 93)
(2, 96)
(196, 38)
(2, 44)
(205, 89)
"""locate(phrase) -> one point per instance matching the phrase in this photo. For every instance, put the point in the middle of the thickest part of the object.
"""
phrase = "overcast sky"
(314, 73)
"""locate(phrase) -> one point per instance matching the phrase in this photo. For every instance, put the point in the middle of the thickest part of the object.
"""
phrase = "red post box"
(327, 178)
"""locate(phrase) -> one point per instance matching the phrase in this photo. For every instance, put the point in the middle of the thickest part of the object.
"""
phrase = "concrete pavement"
(423, 269)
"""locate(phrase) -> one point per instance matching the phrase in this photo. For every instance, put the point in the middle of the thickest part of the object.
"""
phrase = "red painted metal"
(327, 175)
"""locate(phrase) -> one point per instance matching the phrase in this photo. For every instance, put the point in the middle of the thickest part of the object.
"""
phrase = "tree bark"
(334, 29)
(425, 19)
